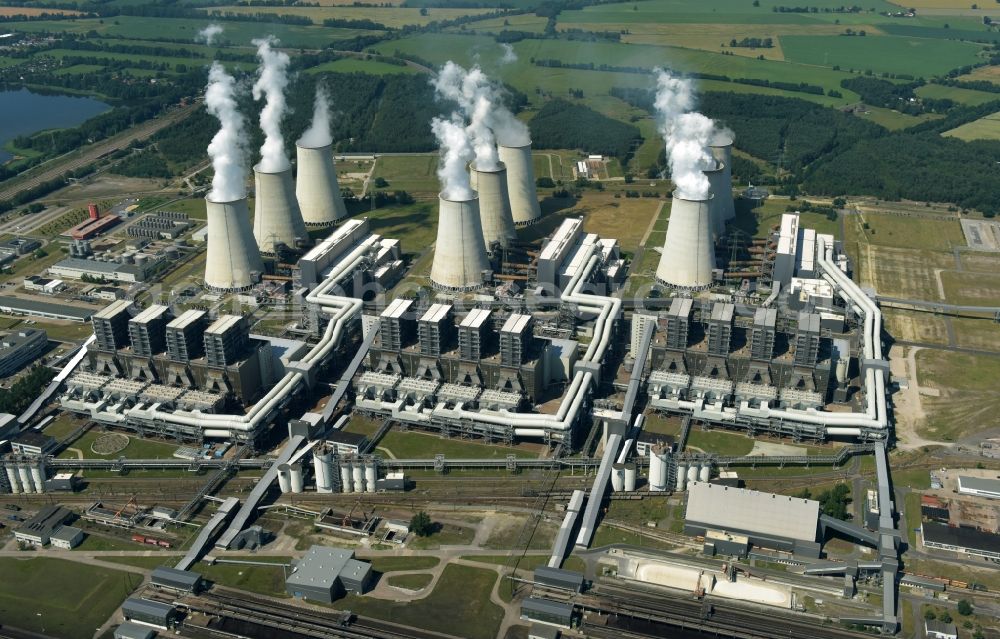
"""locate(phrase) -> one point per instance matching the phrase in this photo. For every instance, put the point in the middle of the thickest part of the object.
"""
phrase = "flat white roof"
(150, 314)
(740, 509)
(516, 323)
(397, 308)
(186, 318)
(436, 313)
(223, 324)
(560, 238)
(333, 240)
(476, 317)
(113, 309)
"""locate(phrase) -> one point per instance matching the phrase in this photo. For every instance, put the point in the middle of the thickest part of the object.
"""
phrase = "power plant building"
(767, 520)
(326, 574)
(20, 348)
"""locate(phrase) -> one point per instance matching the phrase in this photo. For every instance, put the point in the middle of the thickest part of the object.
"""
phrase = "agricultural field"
(356, 65)
(986, 128)
(913, 56)
(392, 17)
(968, 399)
(86, 595)
(968, 97)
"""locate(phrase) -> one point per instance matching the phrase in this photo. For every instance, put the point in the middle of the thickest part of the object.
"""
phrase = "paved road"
(59, 166)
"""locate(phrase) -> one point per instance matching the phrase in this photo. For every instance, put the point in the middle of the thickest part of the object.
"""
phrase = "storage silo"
(494, 205)
(12, 479)
(631, 475)
(232, 259)
(24, 473)
(38, 476)
(705, 472)
(284, 478)
(521, 183)
(371, 476)
(721, 146)
(322, 466)
(692, 474)
(460, 254)
(658, 456)
(358, 478)
(681, 477)
(688, 252)
(843, 365)
(295, 478)
(720, 191)
(617, 477)
(345, 477)
(316, 186)
(277, 218)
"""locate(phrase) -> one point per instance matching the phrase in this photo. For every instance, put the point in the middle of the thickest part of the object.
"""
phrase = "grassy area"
(981, 333)
(147, 563)
(263, 580)
(94, 542)
(607, 535)
(136, 449)
(638, 512)
(446, 535)
(967, 97)
(909, 326)
(476, 618)
(507, 534)
(362, 425)
(414, 445)
(63, 425)
(719, 442)
(391, 564)
(413, 173)
(759, 221)
(356, 65)
(914, 56)
(417, 581)
(526, 562)
(985, 128)
(662, 424)
(892, 119)
(968, 401)
(974, 289)
(392, 17)
(905, 232)
(913, 517)
(60, 598)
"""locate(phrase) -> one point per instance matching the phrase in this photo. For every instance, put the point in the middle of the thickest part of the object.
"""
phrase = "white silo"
(358, 479)
(12, 479)
(617, 477)
(692, 474)
(681, 477)
(521, 183)
(721, 146)
(232, 261)
(277, 218)
(296, 482)
(720, 191)
(842, 368)
(494, 204)
(658, 456)
(688, 253)
(284, 478)
(24, 473)
(345, 477)
(322, 468)
(316, 186)
(38, 476)
(705, 472)
(630, 477)
(460, 253)
(371, 475)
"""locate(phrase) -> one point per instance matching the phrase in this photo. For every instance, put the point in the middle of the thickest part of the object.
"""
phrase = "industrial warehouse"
(286, 425)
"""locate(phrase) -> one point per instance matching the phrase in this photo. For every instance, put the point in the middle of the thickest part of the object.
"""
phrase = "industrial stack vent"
(316, 186)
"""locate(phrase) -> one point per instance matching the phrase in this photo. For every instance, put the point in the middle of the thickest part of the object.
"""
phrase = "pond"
(23, 112)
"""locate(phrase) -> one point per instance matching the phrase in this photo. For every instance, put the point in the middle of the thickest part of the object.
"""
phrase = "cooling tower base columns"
(521, 183)
(688, 257)
(316, 187)
(232, 261)
(460, 261)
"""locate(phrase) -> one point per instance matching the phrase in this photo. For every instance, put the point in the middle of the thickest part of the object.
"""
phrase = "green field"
(263, 580)
(968, 400)
(414, 445)
(476, 618)
(137, 448)
(714, 11)
(962, 96)
(416, 581)
(445, 535)
(722, 443)
(356, 65)
(392, 17)
(391, 564)
(60, 598)
(918, 57)
(986, 128)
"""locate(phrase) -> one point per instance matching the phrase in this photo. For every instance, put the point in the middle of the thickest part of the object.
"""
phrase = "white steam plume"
(227, 148)
(271, 82)
(687, 135)
(318, 133)
(482, 103)
(508, 54)
(456, 152)
(209, 34)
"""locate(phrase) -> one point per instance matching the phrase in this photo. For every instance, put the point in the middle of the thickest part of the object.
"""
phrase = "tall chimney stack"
(721, 146)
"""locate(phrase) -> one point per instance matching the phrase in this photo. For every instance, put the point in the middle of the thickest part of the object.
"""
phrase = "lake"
(23, 112)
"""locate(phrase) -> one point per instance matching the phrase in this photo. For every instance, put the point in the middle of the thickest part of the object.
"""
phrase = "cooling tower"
(277, 218)
(521, 183)
(721, 190)
(460, 253)
(688, 255)
(494, 205)
(233, 261)
(722, 150)
(316, 186)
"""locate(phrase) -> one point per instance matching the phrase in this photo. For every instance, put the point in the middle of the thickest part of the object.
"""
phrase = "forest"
(561, 124)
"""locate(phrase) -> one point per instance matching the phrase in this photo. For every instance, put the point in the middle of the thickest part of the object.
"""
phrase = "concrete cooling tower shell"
(721, 191)
(521, 183)
(232, 261)
(688, 252)
(494, 205)
(277, 218)
(722, 150)
(316, 186)
(460, 253)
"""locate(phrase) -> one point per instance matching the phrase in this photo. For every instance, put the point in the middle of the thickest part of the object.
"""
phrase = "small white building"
(934, 629)
(67, 537)
(979, 486)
